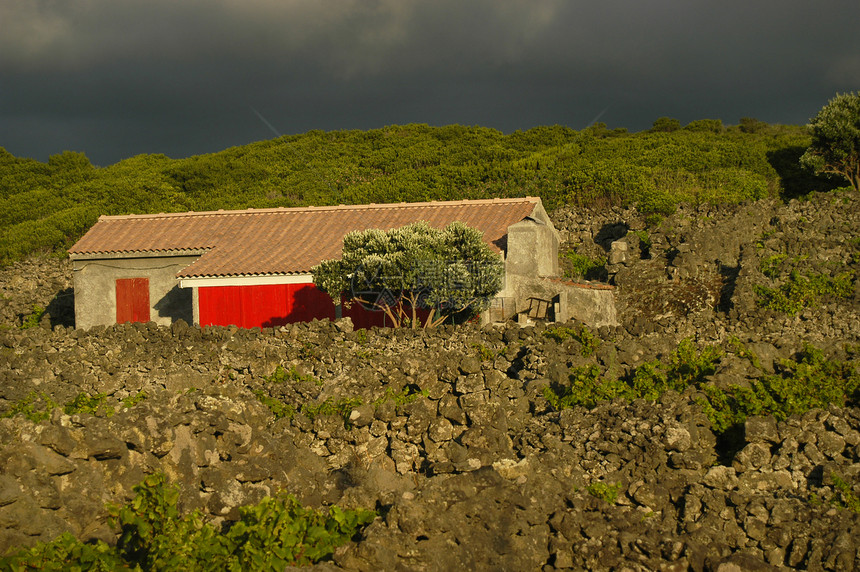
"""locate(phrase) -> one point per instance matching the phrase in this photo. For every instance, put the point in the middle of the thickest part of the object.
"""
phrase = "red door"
(262, 305)
(132, 300)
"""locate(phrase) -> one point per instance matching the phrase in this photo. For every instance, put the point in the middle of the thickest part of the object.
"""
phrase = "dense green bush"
(811, 381)
(418, 275)
(47, 206)
(153, 535)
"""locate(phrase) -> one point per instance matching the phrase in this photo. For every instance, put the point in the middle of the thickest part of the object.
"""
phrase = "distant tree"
(598, 129)
(70, 167)
(665, 125)
(70, 161)
(415, 267)
(835, 148)
(712, 125)
(752, 125)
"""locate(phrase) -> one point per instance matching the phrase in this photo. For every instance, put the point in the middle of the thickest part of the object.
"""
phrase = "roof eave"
(138, 254)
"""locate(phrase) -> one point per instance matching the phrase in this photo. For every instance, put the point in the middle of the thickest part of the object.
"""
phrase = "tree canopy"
(835, 148)
(414, 272)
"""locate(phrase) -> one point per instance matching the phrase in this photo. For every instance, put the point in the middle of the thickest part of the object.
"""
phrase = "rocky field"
(459, 438)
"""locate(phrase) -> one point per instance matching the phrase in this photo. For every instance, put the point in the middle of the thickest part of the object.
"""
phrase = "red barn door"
(132, 300)
(262, 305)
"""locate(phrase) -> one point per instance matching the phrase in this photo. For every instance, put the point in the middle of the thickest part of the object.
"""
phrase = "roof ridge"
(276, 210)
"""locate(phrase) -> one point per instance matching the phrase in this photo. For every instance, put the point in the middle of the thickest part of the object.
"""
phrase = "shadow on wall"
(61, 309)
(177, 304)
(304, 305)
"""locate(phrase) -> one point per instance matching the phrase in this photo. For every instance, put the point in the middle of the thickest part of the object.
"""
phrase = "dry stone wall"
(448, 434)
(694, 273)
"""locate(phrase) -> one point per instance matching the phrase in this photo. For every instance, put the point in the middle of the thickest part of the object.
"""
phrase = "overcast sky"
(115, 78)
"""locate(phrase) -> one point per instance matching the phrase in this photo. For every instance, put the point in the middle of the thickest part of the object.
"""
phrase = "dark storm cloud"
(116, 78)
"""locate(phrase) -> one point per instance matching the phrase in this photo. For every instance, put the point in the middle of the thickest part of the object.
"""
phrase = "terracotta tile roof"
(283, 240)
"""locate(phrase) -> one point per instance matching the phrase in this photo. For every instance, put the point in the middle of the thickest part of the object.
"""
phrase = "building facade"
(251, 268)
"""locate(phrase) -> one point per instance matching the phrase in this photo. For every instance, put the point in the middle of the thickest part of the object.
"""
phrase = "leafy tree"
(665, 124)
(835, 148)
(752, 125)
(402, 271)
(713, 125)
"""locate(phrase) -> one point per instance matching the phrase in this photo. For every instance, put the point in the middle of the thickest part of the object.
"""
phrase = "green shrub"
(36, 407)
(770, 266)
(801, 291)
(603, 491)
(279, 532)
(405, 396)
(580, 266)
(605, 181)
(712, 125)
(728, 409)
(752, 125)
(587, 388)
(272, 535)
(652, 220)
(588, 341)
(282, 375)
(331, 406)
(650, 380)
(133, 400)
(844, 497)
(65, 553)
(278, 408)
(483, 352)
(644, 239)
(559, 333)
(665, 124)
(810, 382)
(89, 404)
(361, 336)
(687, 367)
(657, 201)
(34, 318)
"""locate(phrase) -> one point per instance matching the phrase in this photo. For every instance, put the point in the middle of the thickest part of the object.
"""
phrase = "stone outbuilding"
(252, 268)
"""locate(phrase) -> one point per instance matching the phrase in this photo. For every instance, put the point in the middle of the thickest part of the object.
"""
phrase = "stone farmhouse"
(251, 268)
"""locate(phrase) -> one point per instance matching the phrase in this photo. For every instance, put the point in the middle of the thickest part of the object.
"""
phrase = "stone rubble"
(447, 433)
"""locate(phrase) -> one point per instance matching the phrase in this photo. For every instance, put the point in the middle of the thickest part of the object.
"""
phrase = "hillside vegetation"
(46, 207)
